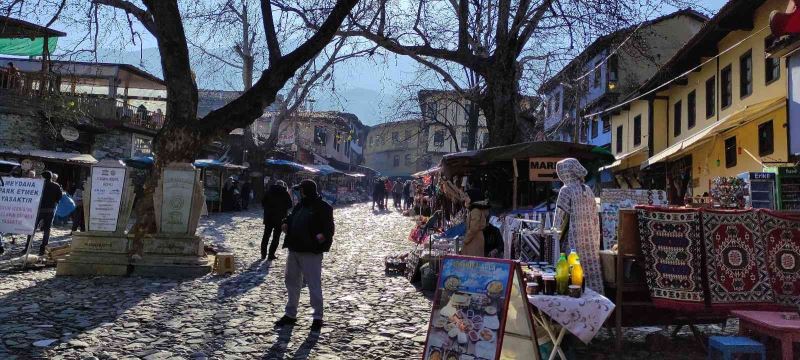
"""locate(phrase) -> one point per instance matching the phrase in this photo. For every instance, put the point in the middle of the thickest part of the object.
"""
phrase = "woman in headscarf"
(577, 209)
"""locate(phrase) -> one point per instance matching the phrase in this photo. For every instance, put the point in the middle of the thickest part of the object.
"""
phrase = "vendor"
(576, 210)
(474, 242)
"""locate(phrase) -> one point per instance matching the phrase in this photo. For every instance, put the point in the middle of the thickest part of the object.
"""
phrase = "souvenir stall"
(337, 186)
(288, 171)
(213, 174)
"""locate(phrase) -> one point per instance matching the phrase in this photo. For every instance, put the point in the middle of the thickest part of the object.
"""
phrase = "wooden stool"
(730, 345)
(223, 264)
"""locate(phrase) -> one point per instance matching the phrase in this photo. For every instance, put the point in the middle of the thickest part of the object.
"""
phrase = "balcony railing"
(98, 107)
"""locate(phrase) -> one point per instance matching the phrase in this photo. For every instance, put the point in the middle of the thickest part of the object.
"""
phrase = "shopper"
(397, 194)
(51, 194)
(309, 233)
(377, 194)
(276, 203)
(387, 192)
(407, 198)
(77, 215)
(247, 190)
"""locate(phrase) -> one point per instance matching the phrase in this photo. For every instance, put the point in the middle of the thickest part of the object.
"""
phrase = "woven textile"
(736, 266)
(673, 257)
(782, 234)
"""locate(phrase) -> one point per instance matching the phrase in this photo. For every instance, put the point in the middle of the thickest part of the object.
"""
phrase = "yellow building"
(717, 108)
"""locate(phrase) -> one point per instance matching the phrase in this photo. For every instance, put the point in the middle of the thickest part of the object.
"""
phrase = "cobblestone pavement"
(368, 315)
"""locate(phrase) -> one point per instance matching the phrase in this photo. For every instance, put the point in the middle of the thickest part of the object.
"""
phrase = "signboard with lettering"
(480, 312)
(543, 169)
(106, 195)
(176, 204)
(19, 204)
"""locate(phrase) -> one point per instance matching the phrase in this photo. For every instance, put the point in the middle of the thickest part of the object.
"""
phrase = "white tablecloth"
(583, 317)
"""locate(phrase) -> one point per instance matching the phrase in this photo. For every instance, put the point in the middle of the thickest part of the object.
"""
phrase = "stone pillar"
(107, 204)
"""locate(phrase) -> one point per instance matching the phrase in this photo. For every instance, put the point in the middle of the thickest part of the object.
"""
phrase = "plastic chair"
(730, 345)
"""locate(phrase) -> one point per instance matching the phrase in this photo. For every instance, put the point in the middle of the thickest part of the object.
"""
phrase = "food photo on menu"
(467, 310)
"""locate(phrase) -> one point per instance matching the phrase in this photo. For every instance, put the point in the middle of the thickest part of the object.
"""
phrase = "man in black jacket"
(276, 203)
(309, 233)
(51, 194)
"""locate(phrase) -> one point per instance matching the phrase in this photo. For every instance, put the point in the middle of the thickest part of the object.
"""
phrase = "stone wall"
(19, 131)
(114, 144)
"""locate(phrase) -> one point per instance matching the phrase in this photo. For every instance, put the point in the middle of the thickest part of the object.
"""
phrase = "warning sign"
(543, 169)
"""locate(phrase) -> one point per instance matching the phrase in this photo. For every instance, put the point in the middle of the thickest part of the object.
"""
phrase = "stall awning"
(71, 158)
(624, 158)
(27, 47)
(422, 173)
(737, 119)
(212, 163)
(289, 165)
(324, 170)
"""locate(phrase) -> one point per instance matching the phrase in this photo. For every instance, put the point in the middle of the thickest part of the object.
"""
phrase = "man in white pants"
(309, 233)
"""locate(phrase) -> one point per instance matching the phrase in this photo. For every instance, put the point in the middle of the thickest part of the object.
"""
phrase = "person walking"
(309, 233)
(397, 194)
(51, 194)
(407, 195)
(247, 189)
(387, 192)
(377, 194)
(276, 203)
(77, 215)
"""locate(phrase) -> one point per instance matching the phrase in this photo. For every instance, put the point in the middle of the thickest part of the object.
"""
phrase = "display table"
(583, 317)
(771, 323)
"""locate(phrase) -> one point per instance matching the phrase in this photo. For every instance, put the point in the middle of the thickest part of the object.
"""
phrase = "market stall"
(213, 173)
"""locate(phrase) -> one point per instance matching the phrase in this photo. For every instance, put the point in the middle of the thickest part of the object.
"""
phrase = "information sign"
(543, 169)
(19, 205)
(106, 195)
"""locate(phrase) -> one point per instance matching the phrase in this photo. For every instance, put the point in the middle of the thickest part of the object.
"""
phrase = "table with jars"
(561, 302)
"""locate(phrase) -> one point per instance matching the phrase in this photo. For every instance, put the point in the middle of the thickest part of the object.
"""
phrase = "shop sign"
(177, 200)
(19, 204)
(107, 184)
(477, 302)
(543, 168)
(69, 133)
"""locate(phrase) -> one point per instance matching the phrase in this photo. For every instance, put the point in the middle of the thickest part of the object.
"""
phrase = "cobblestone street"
(368, 315)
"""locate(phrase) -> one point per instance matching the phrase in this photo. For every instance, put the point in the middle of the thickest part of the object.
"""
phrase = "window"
(730, 152)
(619, 139)
(711, 98)
(464, 140)
(408, 160)
(637, 130)
(612, 71)
(597, 74)
(595, 126)
(320, 135)
(142, 146)
(766, 144)
(395, 136)
(726, 84)
(606, 123)
(557, 104)
(676, 130)
(772, 66)
(691, 109)
(746, 74)
(438, 138)
(396, 161)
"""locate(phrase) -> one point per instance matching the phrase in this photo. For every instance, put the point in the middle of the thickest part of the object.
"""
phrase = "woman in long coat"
(576, 201)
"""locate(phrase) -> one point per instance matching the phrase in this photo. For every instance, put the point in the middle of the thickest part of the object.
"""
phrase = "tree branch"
(144, 16)
(273, 46)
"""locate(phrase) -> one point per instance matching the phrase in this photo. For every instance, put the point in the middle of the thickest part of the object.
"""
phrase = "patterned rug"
(736, 253)
(673, 257)
(782, 234)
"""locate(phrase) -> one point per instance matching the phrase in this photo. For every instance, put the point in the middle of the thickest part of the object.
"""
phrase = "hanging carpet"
(782, 236)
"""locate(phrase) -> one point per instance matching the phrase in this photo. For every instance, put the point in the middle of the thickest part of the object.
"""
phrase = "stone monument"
(107, 204)
(174, 250)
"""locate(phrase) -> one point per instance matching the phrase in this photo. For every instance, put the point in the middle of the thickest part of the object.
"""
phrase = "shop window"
(746, 74)
(772, 66)
(438, 138)
(619, 139)
(678, 113)
(320, 135)
(637, 130)
(408, 160)
(730, 152)
(726, 87)
(711, 98)
(606, 123)
(766, 144)
(464, 140)
(691, 109)
(395, 136)
(396, 162)
(595, 126)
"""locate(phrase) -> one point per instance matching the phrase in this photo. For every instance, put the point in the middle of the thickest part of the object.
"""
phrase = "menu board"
(106, 196)
(177, 200)
(19, 204)
(470, 309)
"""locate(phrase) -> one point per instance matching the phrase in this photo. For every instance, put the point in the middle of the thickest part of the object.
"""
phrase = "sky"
(371, 89)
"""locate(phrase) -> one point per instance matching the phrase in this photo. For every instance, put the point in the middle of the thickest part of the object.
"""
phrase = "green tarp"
(26, 46)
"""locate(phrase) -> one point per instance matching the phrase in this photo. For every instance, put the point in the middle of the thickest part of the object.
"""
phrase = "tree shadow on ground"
(246, 280)
(65, 307)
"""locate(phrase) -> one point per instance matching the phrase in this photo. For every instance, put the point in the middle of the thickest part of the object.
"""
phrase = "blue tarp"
(146, 162)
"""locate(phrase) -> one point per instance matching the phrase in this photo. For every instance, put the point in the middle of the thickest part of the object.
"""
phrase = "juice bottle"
(576, 277)
(573, 258)
(562, 275)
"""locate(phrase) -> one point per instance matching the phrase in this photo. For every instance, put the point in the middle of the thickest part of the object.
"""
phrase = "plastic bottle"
(562, 275)
(576, 276)
(573, 258)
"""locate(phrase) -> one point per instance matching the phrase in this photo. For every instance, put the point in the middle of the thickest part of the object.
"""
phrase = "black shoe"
(272, 258)
(316, 325)
(285, 320)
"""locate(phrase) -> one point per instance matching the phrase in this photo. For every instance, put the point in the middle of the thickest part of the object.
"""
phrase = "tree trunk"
(473, 114)
(500, 104)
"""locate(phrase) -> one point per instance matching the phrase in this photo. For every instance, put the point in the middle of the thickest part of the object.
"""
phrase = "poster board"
(107, 184)
(543, 169)
(479, 312)
(19, 204)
